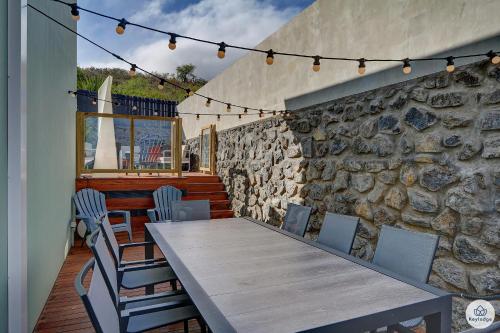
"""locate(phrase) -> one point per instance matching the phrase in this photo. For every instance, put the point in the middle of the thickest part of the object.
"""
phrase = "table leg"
(148, 254)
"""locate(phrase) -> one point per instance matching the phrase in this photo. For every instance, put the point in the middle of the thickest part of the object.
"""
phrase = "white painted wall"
(350, 28)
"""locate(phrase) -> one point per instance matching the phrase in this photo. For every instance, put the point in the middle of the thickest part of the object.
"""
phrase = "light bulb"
(406, 66)
(228, 108)
(316, 64)
(494, 58)
(132, 72)
(261, 113)
(245, 110)
(94, 101)
(362, 66)
(239, 116)
(221, 53)
(270, 57)
(172, 42)
(218, 117)
(161, 85)
(72, 93)
(207, 103)
(134, 108)
(75, 14)
(197, 117)
(189, 92)
(274, 112)
(450, 65)
(120, 28)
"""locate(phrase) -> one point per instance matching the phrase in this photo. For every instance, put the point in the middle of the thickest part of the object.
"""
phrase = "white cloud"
(242, 22)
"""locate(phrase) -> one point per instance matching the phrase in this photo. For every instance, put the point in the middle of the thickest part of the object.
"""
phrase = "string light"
(316, 64)
(261, 113)
(274, 112)
(161, 85)
(494, 58)
(361, 66)
(72, 93)
(228, 107)
(270, 57)
(239, 116)
(94, 101)
(406, 66)
(218, 117)
(189, 92)
(197, 117)
(245, 110)
(132, 71)
(134, 108)
(172, 43)
(207, 103)
(120, 28)
(75, 14)
(450, 65)
(221, 53)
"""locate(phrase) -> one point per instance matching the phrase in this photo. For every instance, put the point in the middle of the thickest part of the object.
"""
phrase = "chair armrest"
(154, 308)
(132, 299)
(119, 211)
(141, 262)
(152, 215)
(142, 267)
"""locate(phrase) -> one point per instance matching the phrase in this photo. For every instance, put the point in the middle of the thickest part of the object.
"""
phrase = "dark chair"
(409, 254)
(137, 315)
(91, 206)
(338, 231)
(163, 198)
(296, 219)
(117, 250)
(128, 277)
(190, 210)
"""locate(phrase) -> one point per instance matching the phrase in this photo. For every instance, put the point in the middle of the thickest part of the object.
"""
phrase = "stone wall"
(421, 155)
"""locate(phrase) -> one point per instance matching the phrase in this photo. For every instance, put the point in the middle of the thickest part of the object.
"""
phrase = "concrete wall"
(50, 148)
(351, 28)
(3, 167)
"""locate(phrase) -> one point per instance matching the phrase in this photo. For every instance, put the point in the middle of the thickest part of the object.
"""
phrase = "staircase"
(135, 193)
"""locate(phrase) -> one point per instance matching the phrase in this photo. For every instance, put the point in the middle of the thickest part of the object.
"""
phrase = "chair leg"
(186, 326)
(173, 285)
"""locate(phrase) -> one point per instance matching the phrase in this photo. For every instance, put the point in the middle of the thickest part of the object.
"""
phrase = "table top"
(248, 277)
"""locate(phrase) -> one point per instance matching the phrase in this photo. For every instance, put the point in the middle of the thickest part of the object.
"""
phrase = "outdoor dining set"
(243, 275)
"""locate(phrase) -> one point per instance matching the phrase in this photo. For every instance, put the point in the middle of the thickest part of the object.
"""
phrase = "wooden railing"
(117, 143)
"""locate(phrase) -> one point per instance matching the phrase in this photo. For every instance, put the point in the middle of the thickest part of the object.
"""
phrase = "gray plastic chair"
(296, 219)
(163, 198)
(137, 316)
(190, 210)
(409, 254)
(91, 206)
(128, 277)
(338, 231)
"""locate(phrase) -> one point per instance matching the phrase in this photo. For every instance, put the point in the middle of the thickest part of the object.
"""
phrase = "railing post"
(79, 142)
(178, 150)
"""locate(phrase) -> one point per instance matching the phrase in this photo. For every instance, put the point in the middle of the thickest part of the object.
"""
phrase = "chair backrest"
(163, 197)
(406, 253)
(110, 238)
(90, 203)
(296, 219)
(190, 210)
(338, 231)
(97, 300)
(105, 262)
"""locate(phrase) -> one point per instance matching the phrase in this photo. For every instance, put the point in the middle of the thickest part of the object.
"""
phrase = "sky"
(241, 22)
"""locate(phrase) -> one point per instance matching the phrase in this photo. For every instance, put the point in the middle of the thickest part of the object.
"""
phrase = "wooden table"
(247, 276)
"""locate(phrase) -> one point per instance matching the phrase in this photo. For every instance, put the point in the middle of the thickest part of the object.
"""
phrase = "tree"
(185, 72)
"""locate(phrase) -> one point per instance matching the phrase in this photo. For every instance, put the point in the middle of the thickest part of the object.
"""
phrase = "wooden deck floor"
(64, 311)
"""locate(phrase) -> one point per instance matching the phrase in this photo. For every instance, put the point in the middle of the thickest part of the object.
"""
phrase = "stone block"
(362, 182)
(470, 251)
(487, 281)
(491, 121)
(416, 219)
(451, 271)
(420, 119)
(396, 198)
(450, 99)
(491, 148)
(422, 201)
(446, 222)
(429, 143)
(435, 177)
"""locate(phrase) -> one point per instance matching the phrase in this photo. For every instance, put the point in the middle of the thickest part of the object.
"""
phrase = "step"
(138, 221)
(204, 187)
(216, 195)
(148, 202)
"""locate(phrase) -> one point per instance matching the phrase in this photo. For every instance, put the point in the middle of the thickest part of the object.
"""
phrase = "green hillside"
(141, 85)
